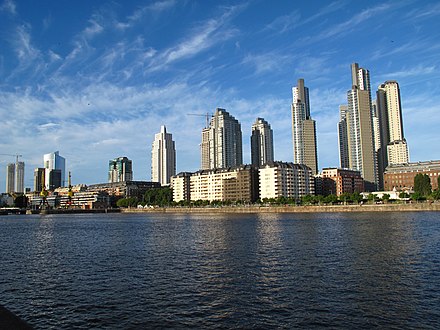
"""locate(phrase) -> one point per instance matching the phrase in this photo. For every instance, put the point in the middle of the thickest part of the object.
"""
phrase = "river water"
(129, 271)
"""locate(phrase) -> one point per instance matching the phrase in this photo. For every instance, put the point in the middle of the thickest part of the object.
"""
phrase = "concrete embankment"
(72, 211)
(293, 209)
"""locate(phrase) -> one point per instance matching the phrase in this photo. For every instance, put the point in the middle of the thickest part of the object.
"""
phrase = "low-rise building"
(337, 181)
(180, 186)
(225, 184)
(281, 179)
(401, 176)
(124, 188)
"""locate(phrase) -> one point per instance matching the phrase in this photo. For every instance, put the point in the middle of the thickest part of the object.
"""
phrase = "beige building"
(233, 184)
(359, 128)
(393, 147)
(180, 185)
(279, 179)
(221, 145)
(303, 128)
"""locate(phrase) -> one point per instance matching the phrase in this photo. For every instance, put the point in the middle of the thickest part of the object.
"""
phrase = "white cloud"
(9, 6)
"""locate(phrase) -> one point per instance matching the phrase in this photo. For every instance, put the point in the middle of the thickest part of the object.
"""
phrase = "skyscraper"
(393, 147)
(38, 179)
(261, 143)
(163, 157)
(10, 178)
(54, 161)
(15, 177)
(120, 169)
(343, 137)
(359, 128)
(221, 142)
(303, 129)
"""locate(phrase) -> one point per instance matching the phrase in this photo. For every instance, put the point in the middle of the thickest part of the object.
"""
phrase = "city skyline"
(95, 80)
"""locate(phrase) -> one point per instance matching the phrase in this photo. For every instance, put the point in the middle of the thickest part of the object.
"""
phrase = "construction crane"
(206, 115)
(16, 157)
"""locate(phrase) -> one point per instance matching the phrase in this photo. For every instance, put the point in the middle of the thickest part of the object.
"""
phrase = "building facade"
(181, 187)
(15, 177)
(343, 137)
(39, 179)
(261, 143)
(401, 176)
(120, 169)
(163, 157)
(238, 183)
(337, 181)
(54, 161)
(281, 179)
(221, 145)
(10, 178)
(303, 128)
(359, 128)
(393, 147)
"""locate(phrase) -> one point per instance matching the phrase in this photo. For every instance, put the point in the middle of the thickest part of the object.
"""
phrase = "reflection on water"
(222, 270)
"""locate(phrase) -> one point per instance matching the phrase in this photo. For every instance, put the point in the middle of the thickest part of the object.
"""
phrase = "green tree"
(127, 202)
(330, 199)
(159, 196)
(436, 194)
(403, 194)
(417, 196)
(357, 197)
(422, 184)
(345, 198)
(386, 198)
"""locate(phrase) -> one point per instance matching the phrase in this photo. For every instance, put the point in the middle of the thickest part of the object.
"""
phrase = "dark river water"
(130, 271)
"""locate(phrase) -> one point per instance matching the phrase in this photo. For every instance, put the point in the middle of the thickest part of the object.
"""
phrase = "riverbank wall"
(294, 209)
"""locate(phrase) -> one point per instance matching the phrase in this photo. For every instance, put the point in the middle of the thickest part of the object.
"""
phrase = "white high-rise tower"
(163, 157)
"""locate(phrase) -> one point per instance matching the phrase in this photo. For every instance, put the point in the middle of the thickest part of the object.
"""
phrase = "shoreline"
(434, 207)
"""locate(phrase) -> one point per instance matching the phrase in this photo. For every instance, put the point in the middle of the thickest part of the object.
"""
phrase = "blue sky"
(96, 79)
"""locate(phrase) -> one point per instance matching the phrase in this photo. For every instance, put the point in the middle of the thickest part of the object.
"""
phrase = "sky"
(95, 80)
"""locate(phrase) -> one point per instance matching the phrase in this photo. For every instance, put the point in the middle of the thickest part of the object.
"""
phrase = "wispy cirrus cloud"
(9, 6)
(430, 10)
(206, 35)
(267, 62)
(347, 26)
(417, 71)
(155, 8)
(284, 23)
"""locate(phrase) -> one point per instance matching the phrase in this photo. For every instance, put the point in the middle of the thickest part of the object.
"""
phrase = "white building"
(163, 157)
(53, 178)
(279, 179)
